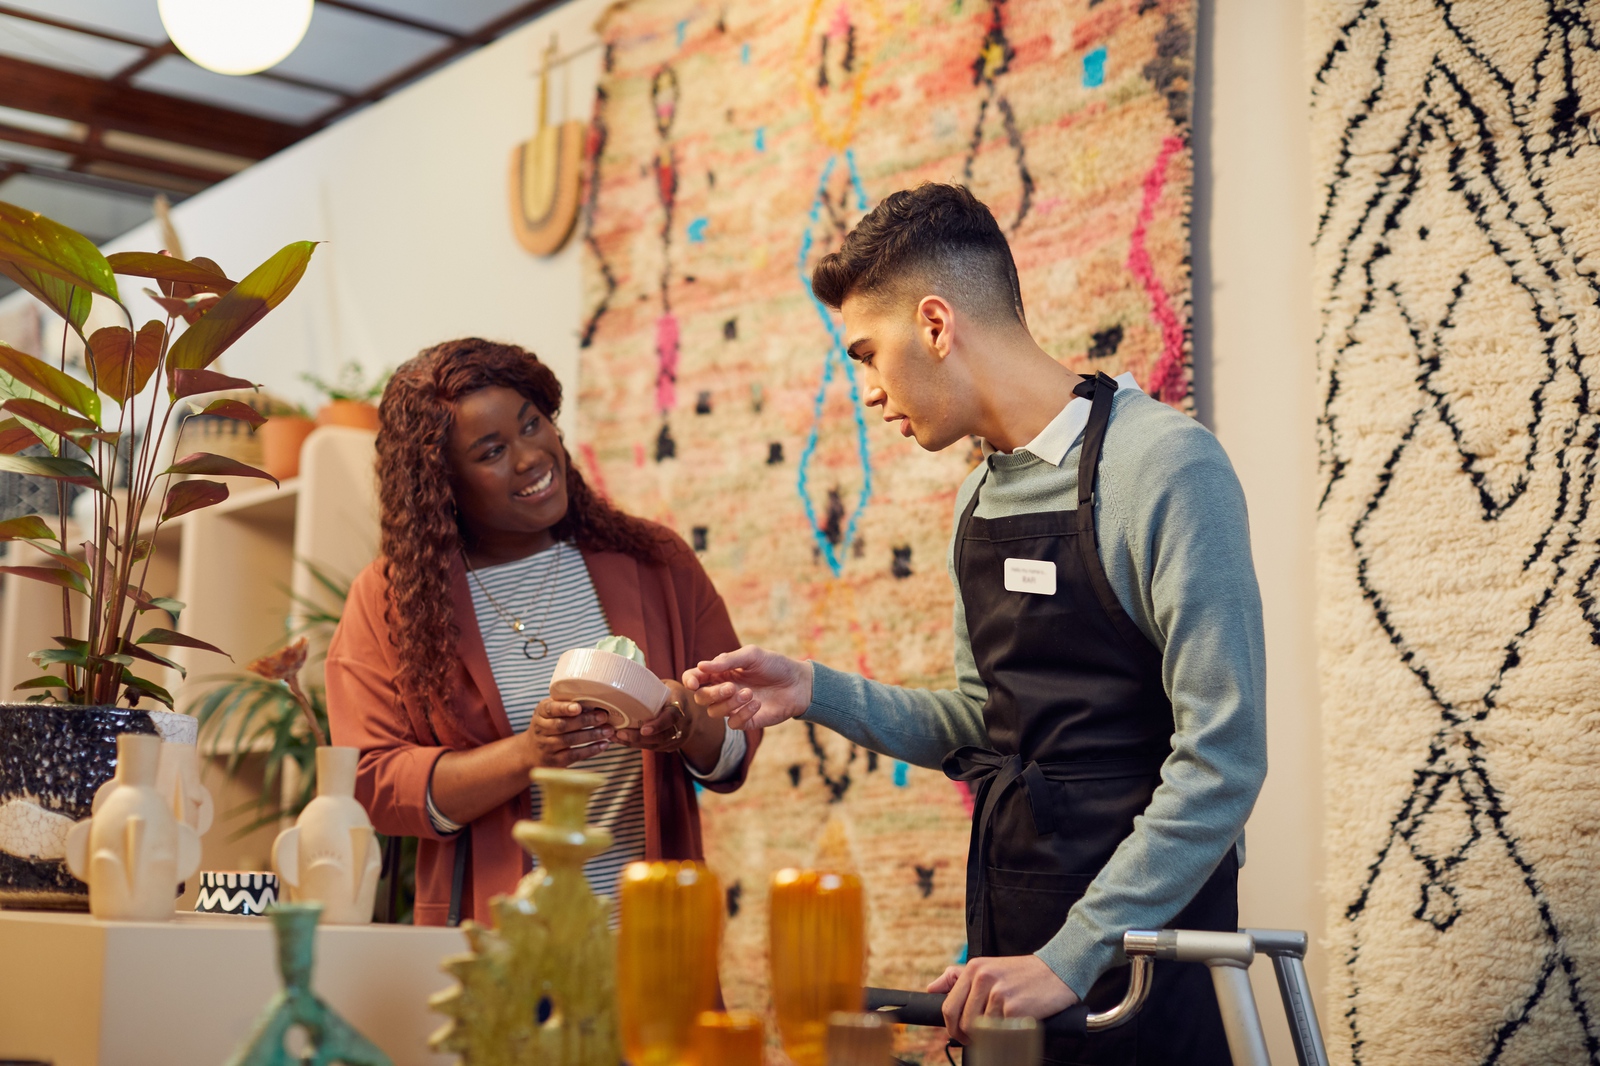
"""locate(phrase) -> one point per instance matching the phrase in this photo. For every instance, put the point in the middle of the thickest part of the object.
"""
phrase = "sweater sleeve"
(1175, 542)
(917, 726)
(364, 712)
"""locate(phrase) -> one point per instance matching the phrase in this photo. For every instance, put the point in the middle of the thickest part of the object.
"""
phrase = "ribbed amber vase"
(734, 1038)
(666, 958)
(819, 957)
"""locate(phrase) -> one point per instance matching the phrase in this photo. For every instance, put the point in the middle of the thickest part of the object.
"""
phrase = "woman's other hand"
(563, 733)
(680, 726)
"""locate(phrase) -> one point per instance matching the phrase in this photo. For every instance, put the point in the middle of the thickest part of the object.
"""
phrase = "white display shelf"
(235, 566)
(75, 991)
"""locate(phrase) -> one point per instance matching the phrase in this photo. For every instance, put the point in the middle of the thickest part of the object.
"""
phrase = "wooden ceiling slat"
(395, 17)
(98, 103)
(83, 150)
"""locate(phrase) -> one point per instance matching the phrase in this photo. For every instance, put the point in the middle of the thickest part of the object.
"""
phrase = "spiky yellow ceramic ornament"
(540, 988)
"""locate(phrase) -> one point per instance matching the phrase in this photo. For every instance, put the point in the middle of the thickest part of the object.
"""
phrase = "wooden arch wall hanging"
(544, 178)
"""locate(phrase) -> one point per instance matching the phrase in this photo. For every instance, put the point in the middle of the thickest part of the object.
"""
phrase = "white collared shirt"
(1056, 439)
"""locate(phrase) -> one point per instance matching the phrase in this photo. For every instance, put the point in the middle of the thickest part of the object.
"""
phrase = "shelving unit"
(239, 568)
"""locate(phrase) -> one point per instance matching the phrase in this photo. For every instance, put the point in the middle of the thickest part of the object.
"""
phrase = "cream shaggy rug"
(1457, 250)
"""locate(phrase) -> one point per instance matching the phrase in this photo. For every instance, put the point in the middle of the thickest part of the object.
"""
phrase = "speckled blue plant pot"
(52, 759)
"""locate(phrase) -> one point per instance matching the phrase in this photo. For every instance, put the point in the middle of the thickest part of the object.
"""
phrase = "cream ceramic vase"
(132, 851)
(178, 779)
(330, 855)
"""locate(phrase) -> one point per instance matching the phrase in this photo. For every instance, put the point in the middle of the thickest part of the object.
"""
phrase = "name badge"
(1031, 575)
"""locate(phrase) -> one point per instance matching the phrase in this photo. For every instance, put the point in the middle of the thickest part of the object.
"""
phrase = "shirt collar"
(1056, 439)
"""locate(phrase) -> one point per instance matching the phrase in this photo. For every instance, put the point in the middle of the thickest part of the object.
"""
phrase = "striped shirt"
(552, 594)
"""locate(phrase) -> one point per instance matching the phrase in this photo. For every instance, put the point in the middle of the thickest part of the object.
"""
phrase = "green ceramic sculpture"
(332, 1039)
(540, 988)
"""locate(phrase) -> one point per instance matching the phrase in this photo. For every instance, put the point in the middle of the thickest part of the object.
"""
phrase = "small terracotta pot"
(281, 438)
(353, 413)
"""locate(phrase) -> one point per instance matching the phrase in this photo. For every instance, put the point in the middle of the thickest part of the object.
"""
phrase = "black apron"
(1079, 724)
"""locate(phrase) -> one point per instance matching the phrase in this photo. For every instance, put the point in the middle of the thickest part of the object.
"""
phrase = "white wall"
(1256, 372)
(410, 196)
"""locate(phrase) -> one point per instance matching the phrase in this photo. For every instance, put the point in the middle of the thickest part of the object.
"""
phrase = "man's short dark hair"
(934, 239)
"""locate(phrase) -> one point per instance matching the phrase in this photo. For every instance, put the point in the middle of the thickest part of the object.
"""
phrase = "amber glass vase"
(734, 1038)
(819, 957)
(666, 958)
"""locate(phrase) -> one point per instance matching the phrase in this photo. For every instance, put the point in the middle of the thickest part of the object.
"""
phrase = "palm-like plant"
(120, 429)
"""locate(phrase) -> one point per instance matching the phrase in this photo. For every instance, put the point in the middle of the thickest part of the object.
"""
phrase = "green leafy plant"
(350, 383)
(45, 405)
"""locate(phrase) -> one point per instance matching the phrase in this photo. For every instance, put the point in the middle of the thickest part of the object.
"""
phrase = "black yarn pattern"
(598, 135)
(1497, 169)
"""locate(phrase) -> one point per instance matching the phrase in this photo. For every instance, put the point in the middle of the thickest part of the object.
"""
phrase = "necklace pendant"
(528, 650)
(517, 626)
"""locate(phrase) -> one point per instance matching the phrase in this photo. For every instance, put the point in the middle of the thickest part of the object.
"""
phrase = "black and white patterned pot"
(52, 759)
(235, 892)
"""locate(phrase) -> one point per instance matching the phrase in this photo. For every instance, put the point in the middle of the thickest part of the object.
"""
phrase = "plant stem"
(305, 708)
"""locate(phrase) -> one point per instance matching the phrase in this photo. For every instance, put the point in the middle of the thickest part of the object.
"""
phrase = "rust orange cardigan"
(670, 610)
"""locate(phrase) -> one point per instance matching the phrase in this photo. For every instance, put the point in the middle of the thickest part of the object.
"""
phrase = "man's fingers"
(955, 1002)
(742, 718)
(977, 1001)
(945, 981)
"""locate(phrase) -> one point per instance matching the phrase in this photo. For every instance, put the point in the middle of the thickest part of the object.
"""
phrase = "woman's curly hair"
(421, 535)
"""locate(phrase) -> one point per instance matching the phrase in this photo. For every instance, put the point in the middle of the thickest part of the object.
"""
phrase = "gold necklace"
(517, 625)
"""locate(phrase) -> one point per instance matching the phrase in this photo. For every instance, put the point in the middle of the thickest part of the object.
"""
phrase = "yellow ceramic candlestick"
(540, 988)
(667, 961)
(735, 1038)
(819, 957)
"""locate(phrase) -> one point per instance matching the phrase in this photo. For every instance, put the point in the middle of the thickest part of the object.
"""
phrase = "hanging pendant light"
(236, 36)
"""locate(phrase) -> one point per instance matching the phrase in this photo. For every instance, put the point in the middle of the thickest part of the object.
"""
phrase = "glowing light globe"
(236, 36)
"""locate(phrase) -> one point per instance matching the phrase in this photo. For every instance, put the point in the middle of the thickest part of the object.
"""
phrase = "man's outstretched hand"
(751, 687)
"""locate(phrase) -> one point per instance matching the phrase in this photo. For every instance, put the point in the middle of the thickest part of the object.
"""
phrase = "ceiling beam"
(100, 153)
(135, 189)
(94, 102)
(429, 63)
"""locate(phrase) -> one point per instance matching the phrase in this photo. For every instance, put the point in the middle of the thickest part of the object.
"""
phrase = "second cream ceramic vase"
(330, 855)
(132, 851)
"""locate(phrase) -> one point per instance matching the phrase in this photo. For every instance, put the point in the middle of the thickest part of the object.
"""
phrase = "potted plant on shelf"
(288, 426)
(351, 397)
(60, 746)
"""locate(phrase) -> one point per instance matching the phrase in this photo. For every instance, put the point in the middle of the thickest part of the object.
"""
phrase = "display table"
(79, 992)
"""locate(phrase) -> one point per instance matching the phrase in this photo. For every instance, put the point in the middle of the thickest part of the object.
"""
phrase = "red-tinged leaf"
(71, 562)
(79, 436)
(54, 384)
(42, 414)
(109, 350)
(172, 638)
(186, 496)
(14, 436)
(242, 412)
(217, 465)
(64, 298)
(148, 602)
(138, 687)
(201, 274)
(246, 303)
(50, 575)
(72, 471)
(31, 240)
(28, 527)
(188, 308)
(136, 652)
(195, 382)
(283, 664)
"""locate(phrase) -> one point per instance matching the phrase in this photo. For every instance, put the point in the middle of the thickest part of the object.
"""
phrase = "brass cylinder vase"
(818, 957)
(667, 957)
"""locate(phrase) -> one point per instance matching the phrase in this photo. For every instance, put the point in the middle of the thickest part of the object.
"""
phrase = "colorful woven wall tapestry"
(732, 146)
(1456, 244)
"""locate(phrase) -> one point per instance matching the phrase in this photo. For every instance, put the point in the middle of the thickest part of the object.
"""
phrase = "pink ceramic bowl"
(612, 682)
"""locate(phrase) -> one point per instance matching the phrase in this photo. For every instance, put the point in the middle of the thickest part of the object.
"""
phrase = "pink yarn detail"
(1167, 381)
(666, 363)
(967, 799)
(592, 469)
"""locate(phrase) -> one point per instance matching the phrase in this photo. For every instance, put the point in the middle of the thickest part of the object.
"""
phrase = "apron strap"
(966, 520)
(1100, 388)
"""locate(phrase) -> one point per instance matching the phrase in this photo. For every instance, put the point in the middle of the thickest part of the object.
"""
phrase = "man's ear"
(935, 321)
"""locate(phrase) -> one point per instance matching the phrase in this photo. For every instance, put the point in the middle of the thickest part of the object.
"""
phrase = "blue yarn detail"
(697, 230)
(1094, 68)
(901, 774)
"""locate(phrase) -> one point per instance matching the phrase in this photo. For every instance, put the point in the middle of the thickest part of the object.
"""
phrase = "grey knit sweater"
(1174, 539)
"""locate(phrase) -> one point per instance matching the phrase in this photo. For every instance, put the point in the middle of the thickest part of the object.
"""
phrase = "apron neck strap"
(1100, 389)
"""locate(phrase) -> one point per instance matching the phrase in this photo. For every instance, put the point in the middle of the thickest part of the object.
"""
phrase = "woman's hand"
(562, 733)
(680, 726)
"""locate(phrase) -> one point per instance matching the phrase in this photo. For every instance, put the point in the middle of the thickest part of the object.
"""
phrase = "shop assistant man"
(1109, 708)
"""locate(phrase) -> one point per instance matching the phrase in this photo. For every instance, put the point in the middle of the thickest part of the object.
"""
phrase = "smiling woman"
(496, 558)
